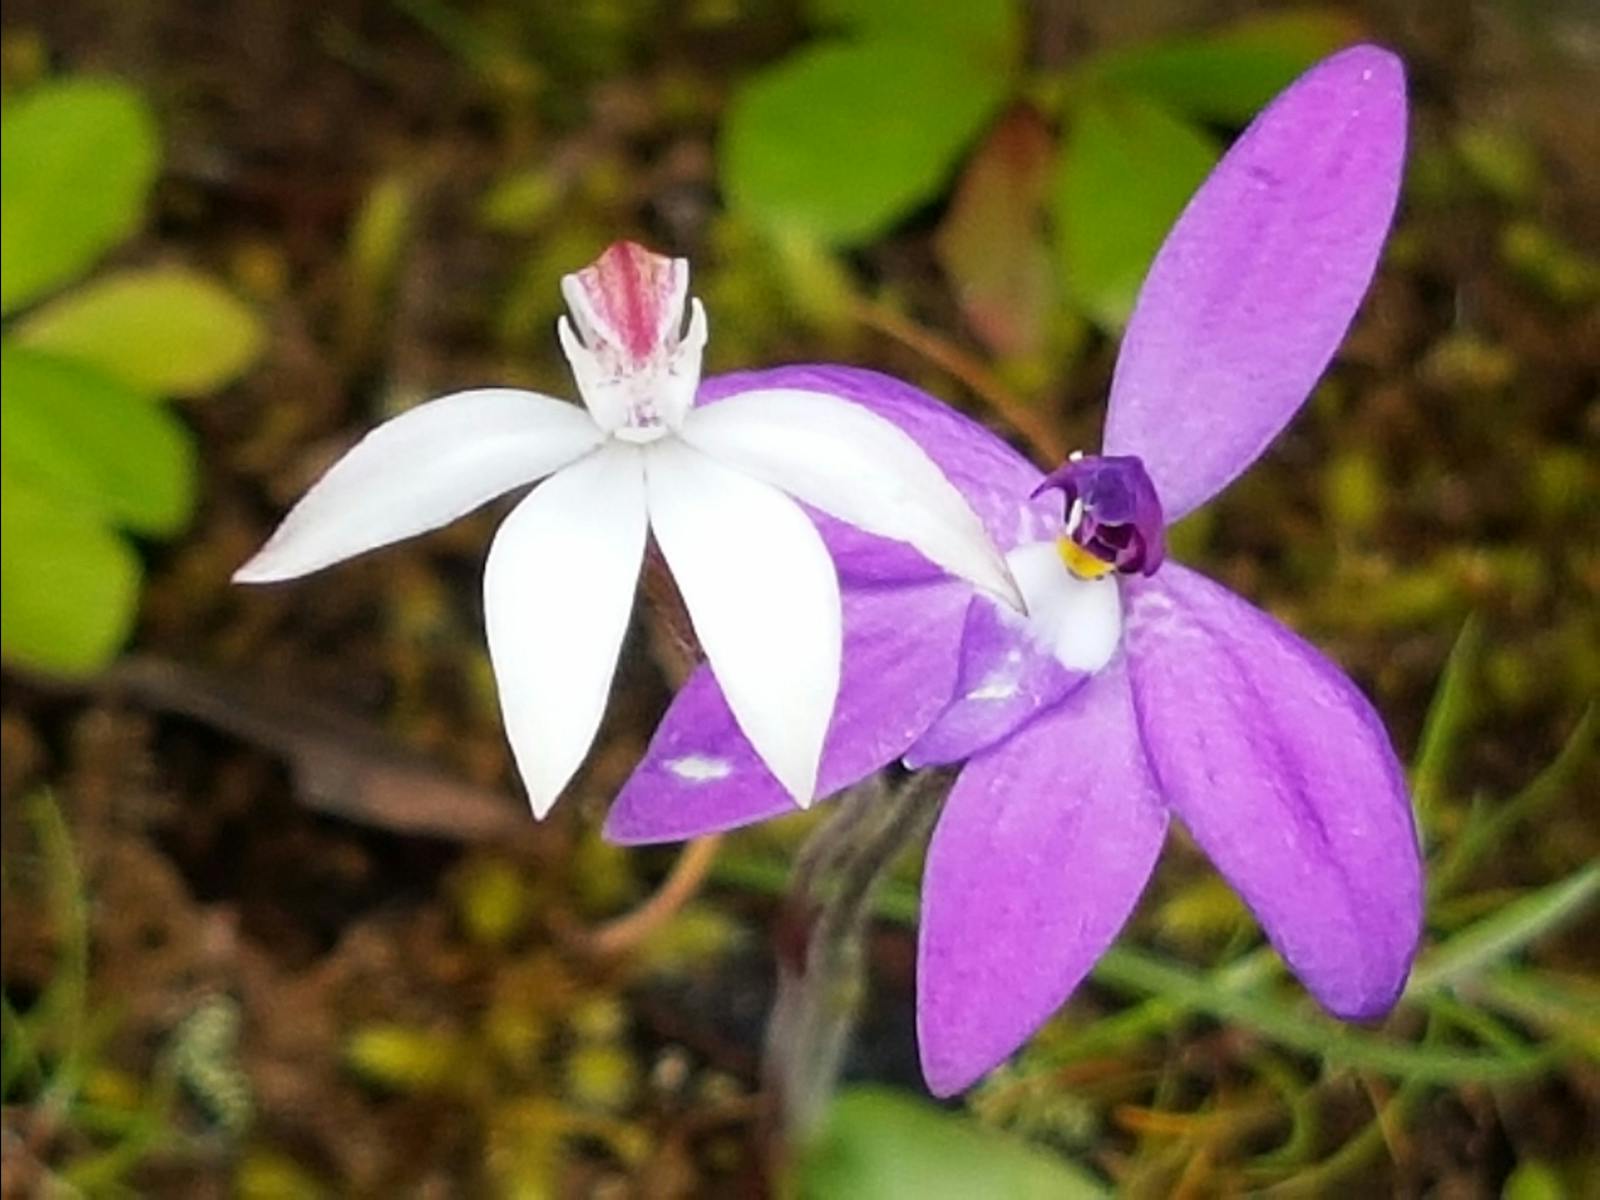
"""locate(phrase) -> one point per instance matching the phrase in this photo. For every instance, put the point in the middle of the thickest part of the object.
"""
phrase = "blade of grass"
(1505, 932)
(58, 1019)
(1564, 1006)
(1480, 837)
(1446, 720)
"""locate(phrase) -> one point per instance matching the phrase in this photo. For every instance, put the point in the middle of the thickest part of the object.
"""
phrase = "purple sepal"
(1120, 521)
(1254, 287)
(1284, 775)
(1006, 679)
(1039, 856)
(700, 774)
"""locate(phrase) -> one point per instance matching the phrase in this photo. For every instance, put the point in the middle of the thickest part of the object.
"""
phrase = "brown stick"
(1045, 441)
(622, 934)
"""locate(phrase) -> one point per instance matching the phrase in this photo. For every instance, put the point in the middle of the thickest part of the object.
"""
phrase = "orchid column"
(718, 486)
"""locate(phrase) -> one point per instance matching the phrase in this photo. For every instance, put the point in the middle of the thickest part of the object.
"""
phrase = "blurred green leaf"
(165, 330)
(73, 432)
(841, 140)
(988, 27)
(1226, 76)
(1501, 161)
(882, 1145)
(69, 586)
(409, 1059)
(1127, 170)
(77, 159)
(1534, 1180)
(519, 201)
(992, 242)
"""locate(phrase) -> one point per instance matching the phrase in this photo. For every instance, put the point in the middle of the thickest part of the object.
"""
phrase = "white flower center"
(1077, 620)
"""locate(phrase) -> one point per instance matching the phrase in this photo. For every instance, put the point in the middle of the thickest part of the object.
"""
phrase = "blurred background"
(276, 920)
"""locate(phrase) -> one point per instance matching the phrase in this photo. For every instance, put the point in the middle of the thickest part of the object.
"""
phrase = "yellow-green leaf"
(73, 432)
(884, 1145)
(165, 330)
(77, 159)
(69, 586)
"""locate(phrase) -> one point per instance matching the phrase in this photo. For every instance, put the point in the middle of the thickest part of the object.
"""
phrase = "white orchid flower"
(718, 485)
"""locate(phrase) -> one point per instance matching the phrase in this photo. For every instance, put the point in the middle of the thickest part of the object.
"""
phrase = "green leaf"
(989, 27)
(166, 330)
(882, 1145)
(1128, 169)
(840, 141)
(94, 443)
(76, 165)
(69, 586)
(1229, 75)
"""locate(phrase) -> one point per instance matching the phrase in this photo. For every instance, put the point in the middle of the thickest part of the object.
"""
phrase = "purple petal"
(1006, 679)
(1285, 777)
(994, 478)
(700, 774)
(1042, 850)
(1257, 282)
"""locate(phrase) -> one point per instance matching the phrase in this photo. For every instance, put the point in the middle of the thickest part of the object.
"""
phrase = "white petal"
(421, 470)
(1077, 620)
(855, 465)
(763, 596)
(557, 592)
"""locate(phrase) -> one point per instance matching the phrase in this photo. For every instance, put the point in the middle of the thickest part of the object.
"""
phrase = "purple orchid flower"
(1134, 689)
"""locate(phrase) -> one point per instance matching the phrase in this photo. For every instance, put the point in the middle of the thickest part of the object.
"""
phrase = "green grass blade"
(1505, 932)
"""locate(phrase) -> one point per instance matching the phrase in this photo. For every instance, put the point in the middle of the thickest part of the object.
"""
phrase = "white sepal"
(421, 470)
(854, 465)
(557, 593)
(764, 600)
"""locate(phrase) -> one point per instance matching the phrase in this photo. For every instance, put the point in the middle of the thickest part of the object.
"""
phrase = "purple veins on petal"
(1042, 850)
(1285, 777)
(1258, 281)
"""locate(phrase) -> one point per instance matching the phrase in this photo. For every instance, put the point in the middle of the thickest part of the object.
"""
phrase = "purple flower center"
(1114, 518)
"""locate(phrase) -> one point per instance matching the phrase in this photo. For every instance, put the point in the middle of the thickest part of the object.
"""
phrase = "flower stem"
(820, 941)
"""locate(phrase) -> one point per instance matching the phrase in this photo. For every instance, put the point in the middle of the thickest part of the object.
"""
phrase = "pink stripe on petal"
(1258, 281)
(700, 774)
(1040, 854)
(637, 296)
(1284, 775)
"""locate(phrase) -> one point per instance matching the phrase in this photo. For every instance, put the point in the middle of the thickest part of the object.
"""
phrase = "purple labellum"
(1113, 515)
